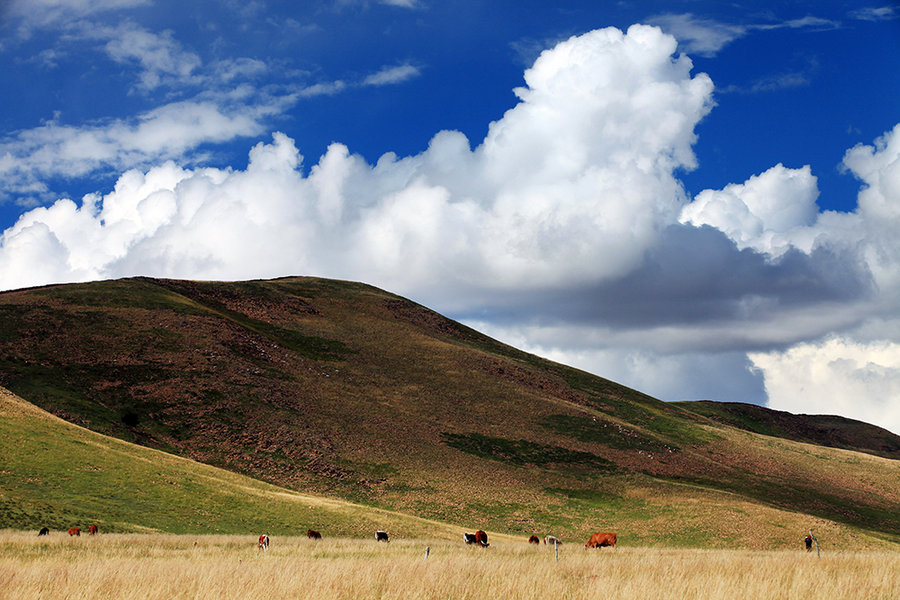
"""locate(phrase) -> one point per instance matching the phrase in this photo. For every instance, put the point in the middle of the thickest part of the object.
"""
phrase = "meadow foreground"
(171, 566)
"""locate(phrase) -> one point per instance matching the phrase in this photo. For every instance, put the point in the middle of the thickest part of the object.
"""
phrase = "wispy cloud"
(882, 13)
(403, 3)
(697, 35)
(392, 75)
(160, 57)
(774, 83)
(706, 37)
(228, 110)
(329, 88)
(171, 131)
(29, 15)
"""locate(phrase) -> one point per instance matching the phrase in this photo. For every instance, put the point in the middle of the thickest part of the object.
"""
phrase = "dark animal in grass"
(479, 537)
(381, 536)
(44, 531)
(74, 531)
(93, 530)
(534, 540)
(600, 540)
(313, 534)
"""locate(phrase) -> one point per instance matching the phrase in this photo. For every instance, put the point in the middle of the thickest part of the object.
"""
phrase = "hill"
(342, 390)
(824, 430)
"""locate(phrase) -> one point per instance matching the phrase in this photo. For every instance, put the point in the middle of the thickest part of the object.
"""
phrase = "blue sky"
(696, 199)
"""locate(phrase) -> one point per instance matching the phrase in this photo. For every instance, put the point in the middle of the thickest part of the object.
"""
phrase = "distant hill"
(824, 430)
(345, 391)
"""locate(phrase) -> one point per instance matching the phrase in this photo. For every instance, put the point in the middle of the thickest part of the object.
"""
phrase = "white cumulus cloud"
(761, 213)
(571, 184)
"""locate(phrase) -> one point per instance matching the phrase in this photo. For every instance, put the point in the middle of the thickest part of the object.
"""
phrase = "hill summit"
(340, 389)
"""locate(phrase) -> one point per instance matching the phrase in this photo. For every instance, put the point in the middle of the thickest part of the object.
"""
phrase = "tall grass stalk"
(169, 567)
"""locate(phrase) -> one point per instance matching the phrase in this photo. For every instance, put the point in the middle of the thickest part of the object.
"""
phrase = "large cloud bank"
(566, 231)
(571, 185)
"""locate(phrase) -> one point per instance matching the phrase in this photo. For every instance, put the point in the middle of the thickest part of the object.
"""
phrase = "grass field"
(167, 567)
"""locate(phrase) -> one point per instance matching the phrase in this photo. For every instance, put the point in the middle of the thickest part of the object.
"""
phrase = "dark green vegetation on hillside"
(344, 390)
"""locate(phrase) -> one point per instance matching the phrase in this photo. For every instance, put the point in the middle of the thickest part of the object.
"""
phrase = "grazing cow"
(263, 542)
(93, 530)
(44, 531)
(550, 539)
(313, 534)
(381, 536)
(599, 540)
(469, 538)
(74, 531)
(534, 540)
(481, 538)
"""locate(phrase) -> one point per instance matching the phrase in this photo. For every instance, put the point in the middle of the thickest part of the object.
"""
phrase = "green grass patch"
(523, 453)
(603, 431)
(123, 293)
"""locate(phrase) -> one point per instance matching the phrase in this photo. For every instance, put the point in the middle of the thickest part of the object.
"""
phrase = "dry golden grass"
(224, 567)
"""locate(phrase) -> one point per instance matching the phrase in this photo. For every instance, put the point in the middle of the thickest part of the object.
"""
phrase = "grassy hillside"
(346, 391)
(59, 475)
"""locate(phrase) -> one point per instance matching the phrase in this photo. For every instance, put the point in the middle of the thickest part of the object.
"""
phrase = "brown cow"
(313, 535)
(263, 542)
(93, 530)
(481, 539)
(599, 540)
(74, 531)
(534, 540)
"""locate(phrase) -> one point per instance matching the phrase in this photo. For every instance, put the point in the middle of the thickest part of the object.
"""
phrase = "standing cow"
(600, 540)
(44, 531)
(381, 536)
(550, 539)
(263, 542)
(534, 540)
(74, 531)
(93, 530)
(313, 534)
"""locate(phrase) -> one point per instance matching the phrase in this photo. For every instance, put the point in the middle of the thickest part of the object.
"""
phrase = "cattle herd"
(479, 538)
(72, 531)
